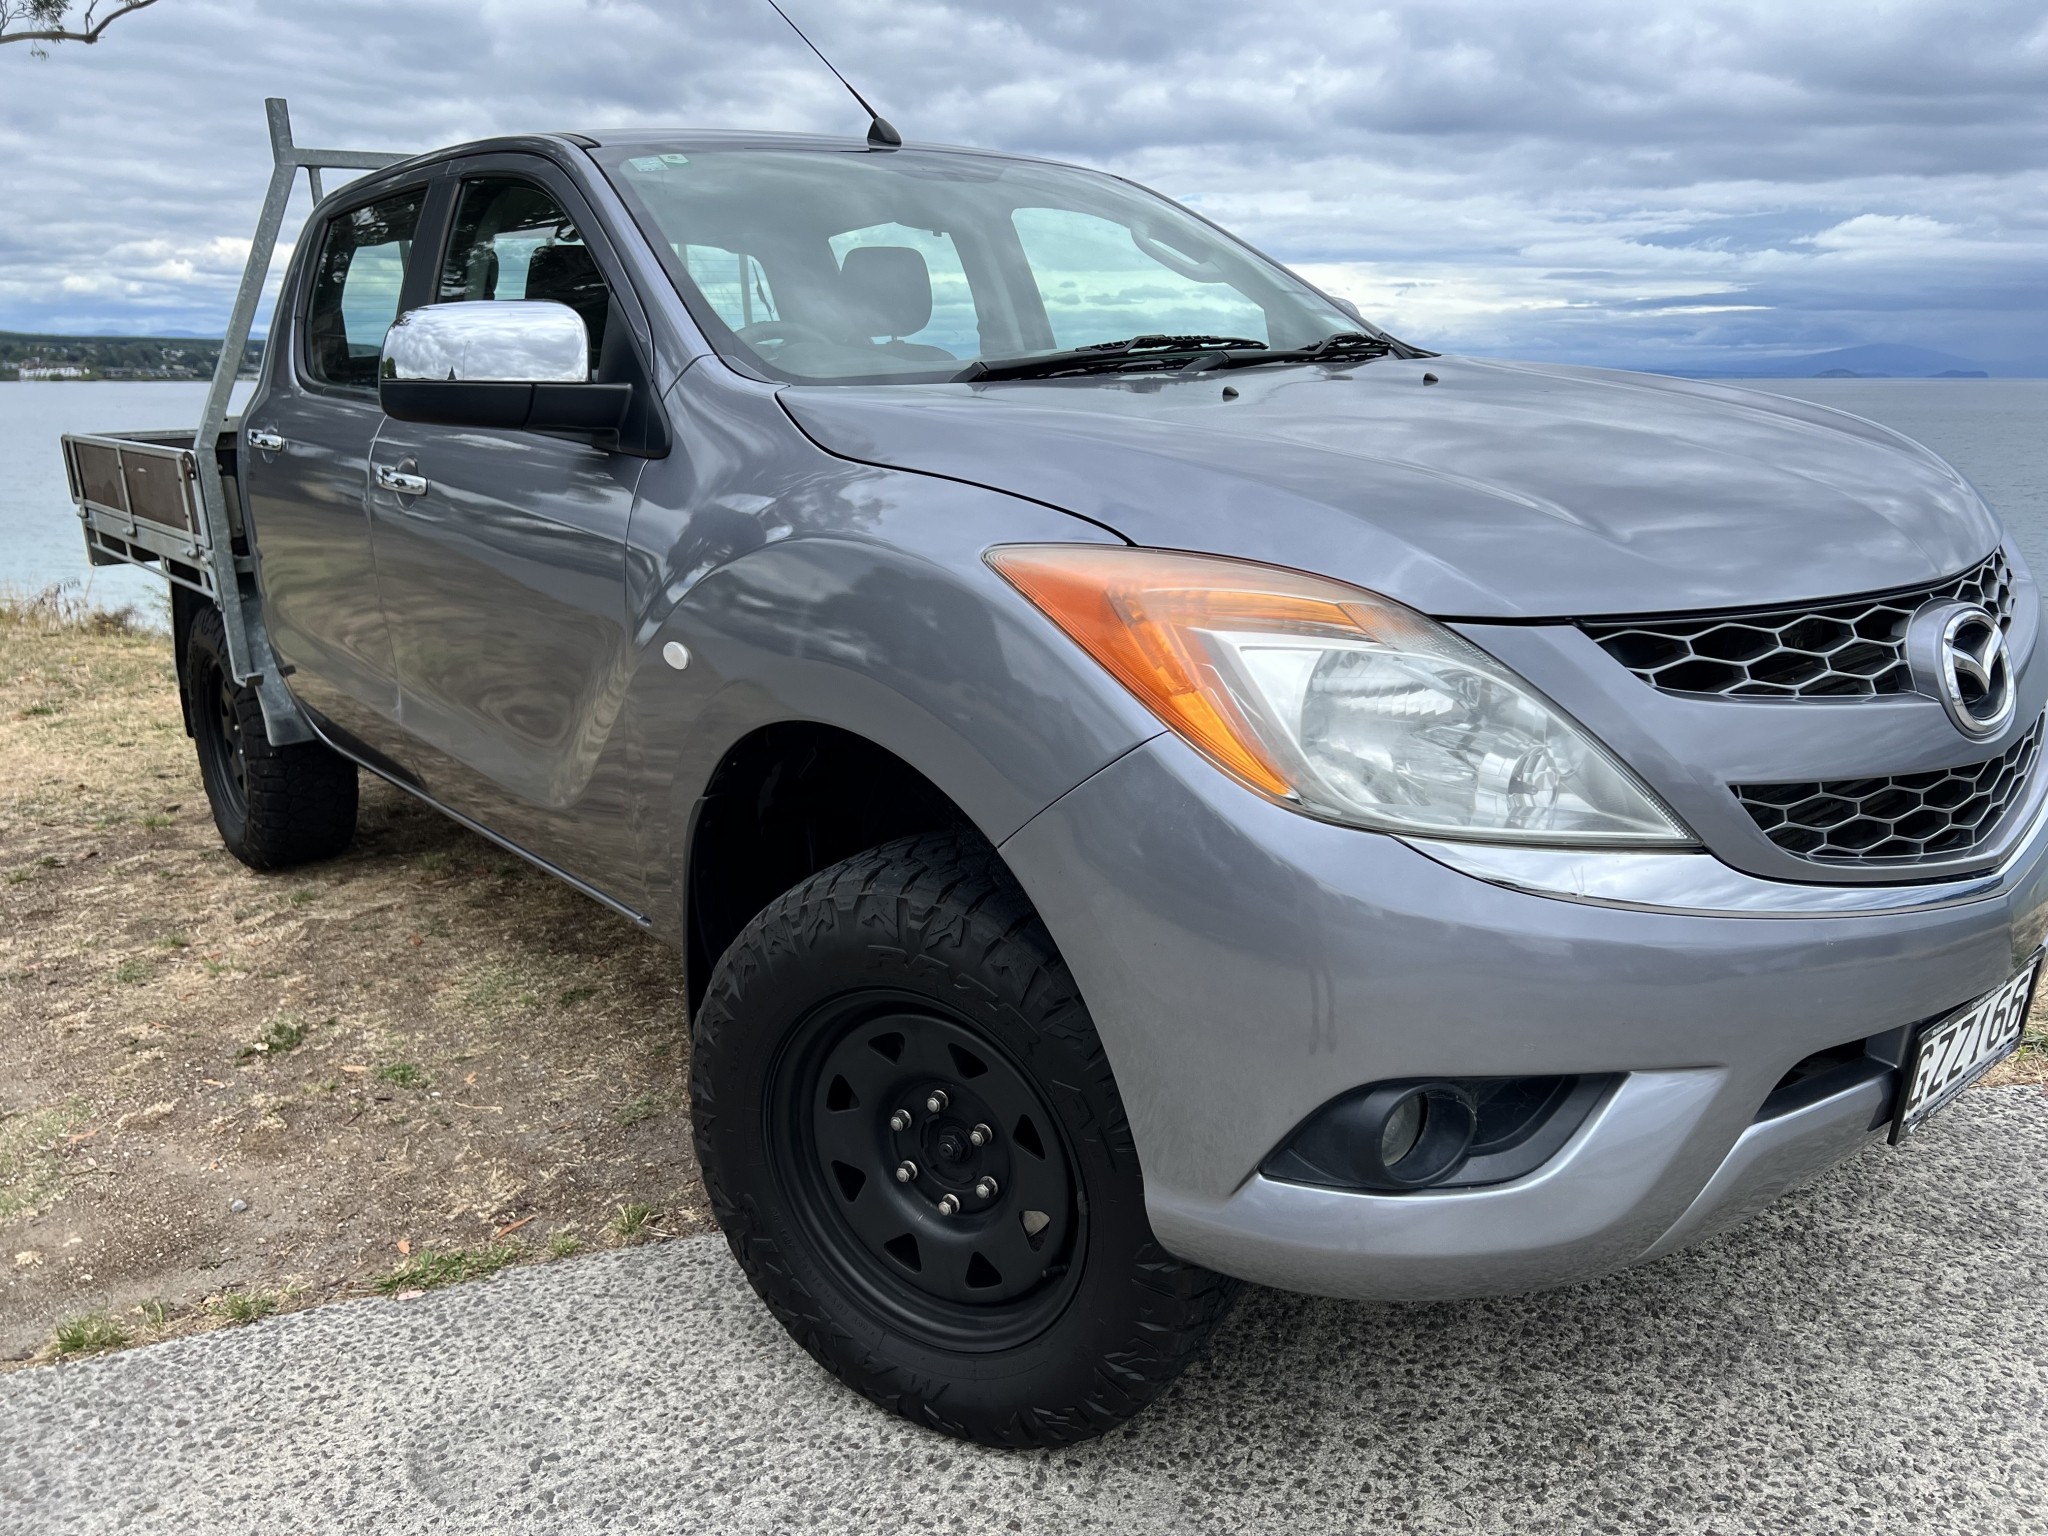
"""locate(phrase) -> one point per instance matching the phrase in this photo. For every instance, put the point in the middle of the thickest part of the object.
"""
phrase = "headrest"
(564, 273)
(888, 288)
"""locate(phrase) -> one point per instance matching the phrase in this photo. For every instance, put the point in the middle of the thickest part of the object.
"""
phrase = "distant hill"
(116, 357)
(1879, 360)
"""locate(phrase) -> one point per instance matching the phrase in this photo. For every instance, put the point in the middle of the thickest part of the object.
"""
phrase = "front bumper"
(1245, 964)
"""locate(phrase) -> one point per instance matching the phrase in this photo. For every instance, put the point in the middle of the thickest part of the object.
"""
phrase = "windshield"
(831, 266)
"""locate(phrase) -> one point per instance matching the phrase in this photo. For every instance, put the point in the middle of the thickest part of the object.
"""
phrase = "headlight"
(1336, 702)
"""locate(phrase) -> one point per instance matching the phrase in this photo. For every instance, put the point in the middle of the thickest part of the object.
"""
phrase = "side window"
(1100, 284)
(896, 289)
(356, 283)
(512, 240)
(732, 284)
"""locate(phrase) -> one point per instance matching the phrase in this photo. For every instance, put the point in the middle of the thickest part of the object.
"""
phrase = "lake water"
(40, 542)
(1993, 430)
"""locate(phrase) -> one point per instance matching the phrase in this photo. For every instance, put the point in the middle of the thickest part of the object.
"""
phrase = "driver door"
(502, 557)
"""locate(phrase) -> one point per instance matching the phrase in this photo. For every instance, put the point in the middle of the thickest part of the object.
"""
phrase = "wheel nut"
(905, 1171)
(937, 1101)
(985, 1189)
(948, 1206)
(981, 1135)
(900, 1121)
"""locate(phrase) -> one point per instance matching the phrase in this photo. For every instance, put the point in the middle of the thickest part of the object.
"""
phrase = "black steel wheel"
(913, 1141)
(274, 806)
(893, 1123)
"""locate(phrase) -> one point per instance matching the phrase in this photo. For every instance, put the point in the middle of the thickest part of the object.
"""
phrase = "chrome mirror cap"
(522, 341)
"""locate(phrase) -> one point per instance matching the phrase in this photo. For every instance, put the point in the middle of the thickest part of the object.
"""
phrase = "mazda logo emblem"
(1959, 655)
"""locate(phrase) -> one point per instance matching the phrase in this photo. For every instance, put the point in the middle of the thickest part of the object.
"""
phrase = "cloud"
(1690, 184)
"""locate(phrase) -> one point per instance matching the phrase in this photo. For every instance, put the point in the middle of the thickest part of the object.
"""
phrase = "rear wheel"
(274, 806)
(913, 1141)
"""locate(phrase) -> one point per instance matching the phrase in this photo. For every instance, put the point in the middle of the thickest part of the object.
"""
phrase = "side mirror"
(523, 363)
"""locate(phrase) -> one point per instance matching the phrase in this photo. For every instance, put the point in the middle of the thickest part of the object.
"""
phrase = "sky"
(1693, 186)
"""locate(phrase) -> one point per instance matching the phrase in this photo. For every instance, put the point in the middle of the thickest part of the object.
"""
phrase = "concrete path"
(1870, 1356)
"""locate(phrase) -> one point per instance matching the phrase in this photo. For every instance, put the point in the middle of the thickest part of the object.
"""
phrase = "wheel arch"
(785, 801)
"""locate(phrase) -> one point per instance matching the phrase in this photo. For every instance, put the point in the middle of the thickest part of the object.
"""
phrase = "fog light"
(1435, 1133)
(1424, 1131)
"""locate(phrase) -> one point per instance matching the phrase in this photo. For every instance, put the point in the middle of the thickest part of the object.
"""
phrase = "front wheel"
(911, 1136)
(274, 806)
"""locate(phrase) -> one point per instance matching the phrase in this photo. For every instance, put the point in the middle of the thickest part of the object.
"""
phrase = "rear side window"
(514, 240)
(356, 286)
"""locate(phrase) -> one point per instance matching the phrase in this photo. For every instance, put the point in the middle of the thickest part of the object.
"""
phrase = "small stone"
(236, 1207)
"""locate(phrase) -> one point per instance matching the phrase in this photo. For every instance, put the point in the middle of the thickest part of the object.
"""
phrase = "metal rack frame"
(152, 500)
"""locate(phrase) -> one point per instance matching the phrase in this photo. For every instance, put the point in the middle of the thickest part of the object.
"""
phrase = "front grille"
(1848, 649)
(1905, 817)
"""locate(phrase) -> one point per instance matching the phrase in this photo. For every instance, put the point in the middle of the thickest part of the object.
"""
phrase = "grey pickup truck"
(1156, 783)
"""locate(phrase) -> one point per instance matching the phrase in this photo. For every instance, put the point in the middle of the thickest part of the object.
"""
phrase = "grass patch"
(303, 896)
(494, 988)
(174, 941)
(571, 996)
(89, 1334)
(284, 1034)
(132, 973)
(63, 610)
(28, 1172)
(246, 1306)
(563, 1244)
(428, 1269)
(646, 1107)
(402, 1074)
(155, 821)
(633, 1220)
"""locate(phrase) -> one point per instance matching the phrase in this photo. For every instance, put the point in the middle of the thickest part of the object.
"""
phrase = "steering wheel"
(780, 330)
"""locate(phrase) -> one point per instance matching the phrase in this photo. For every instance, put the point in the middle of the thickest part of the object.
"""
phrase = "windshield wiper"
(1343, 347)
(1180, 354)
(1135, 352)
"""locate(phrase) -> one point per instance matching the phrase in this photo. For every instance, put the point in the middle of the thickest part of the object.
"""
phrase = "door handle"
(263, 441)
(398, 482)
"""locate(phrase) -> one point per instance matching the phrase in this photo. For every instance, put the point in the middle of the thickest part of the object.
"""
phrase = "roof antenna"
(881, 133)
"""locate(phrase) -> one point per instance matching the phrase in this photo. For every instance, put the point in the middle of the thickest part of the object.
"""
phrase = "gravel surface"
(1868, 1356)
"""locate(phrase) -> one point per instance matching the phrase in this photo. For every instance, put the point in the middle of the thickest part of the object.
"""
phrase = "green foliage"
(85, 1335)
(427, 1269)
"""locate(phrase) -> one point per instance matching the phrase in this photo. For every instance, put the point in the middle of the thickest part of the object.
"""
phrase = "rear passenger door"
(305, 452)
(504, 579)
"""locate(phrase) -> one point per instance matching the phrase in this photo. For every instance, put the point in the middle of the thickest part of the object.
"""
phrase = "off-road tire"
(275, 806)
(936, 921)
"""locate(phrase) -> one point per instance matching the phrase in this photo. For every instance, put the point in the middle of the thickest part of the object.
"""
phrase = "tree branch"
(88, 31)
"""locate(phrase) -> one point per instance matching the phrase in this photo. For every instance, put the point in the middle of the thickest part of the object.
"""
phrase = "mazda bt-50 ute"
(1156, 783)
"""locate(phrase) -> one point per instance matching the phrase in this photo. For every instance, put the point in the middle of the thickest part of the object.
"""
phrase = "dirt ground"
(225, 1093)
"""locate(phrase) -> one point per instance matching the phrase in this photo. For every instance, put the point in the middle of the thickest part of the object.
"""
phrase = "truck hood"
(1502, 491)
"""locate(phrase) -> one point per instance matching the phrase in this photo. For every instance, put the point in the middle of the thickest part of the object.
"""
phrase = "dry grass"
(421, 1047)
(61, 611)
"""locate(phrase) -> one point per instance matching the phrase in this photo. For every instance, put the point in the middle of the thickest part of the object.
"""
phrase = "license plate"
(1952, 1053)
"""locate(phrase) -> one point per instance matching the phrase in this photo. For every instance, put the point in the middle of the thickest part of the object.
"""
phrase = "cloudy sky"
(1690, 185)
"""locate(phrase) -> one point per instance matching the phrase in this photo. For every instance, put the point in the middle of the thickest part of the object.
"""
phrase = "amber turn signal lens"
(1136, 612)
